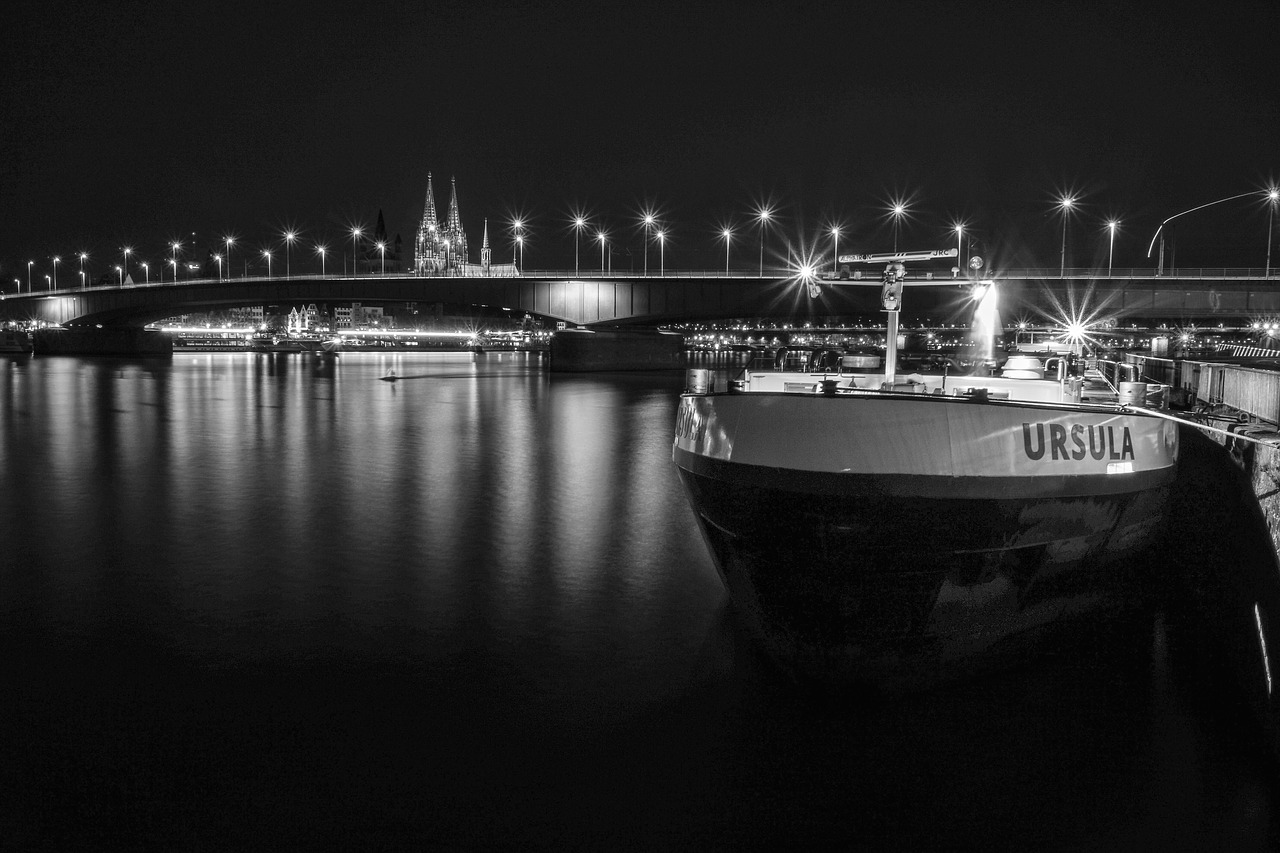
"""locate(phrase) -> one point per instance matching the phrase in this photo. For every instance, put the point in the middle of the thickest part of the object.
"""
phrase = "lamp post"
(56, 260)
(84, 256)
(289, 237)
(126, 251)
(30, 264)
(320, 250)
(175, 245)
(47, 284)
(217, 258)
(382, 250)
(959, 248)
(82, 279)
(662, 253)
(1112, 225)
(648, 223)
(578, 224)
(1064, 204)
(1272, 195)
(229, 241)
(146, 272)
(17, 285)
(600, 235)
(763, 215)
(174, 263)
(118, 271)
(520, 252)
(266, 253)
(355, 235)
(835, 250)
(727, 234)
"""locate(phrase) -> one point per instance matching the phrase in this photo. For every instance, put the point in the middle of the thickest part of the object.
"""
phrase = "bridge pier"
(110, 340)
(585, 350)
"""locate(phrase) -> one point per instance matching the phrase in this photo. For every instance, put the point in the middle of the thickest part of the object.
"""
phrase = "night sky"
(140, 123)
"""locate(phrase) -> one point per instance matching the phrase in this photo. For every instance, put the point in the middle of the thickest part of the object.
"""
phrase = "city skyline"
(254, 126)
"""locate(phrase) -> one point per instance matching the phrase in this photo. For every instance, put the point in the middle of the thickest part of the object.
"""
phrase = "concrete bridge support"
(111, 340)
(583, 350)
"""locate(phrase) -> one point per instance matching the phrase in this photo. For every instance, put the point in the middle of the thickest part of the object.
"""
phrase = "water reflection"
(245, 591)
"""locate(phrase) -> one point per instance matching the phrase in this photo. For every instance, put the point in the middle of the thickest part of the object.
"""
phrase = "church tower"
(486, 257)
(453, 231)
(426, 254)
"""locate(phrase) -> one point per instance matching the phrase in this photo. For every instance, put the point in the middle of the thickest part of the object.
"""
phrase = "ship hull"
(856, 553)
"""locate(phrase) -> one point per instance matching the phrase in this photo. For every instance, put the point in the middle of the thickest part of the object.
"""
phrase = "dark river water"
(269, 601)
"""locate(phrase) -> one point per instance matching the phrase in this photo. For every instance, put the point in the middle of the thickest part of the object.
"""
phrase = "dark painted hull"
(904, 581)
(903, 591)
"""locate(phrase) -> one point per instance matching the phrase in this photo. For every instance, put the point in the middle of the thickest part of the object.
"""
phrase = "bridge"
(1141, 297)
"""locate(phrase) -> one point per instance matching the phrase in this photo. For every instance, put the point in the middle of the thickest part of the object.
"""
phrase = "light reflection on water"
(246, 590)
(265, 506)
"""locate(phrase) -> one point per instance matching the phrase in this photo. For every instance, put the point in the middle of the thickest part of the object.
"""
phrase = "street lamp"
(600, 235)
(763, 215)
(1272, 195)
(1160, 265)
(355, 235)
(382, 250)
(266, 253)
(174, 263)
(835, 250)
(175, 245)
(17, 285)
(47, 284)
(648, 223)
(289, 237)
(320, 250)
(29, 265)
(1064, 204)
(727, 234)
(578, 224)
(56, 260)
(1112, 225)
(84, 256)
(82, 279)
(898, 211)
(662, 255)
(229, 241)
(126, 251)
(118, 270)
(217, 258)
(146, 272)
(517, 226)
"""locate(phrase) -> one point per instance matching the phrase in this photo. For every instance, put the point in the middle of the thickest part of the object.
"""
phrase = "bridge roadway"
(1141, 297)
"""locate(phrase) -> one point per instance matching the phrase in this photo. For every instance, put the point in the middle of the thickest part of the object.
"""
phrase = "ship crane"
(895, 272)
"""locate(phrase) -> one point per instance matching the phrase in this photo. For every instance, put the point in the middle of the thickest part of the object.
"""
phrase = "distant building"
(302, 320)
(374, 260)
(362, 317)
(440, 248)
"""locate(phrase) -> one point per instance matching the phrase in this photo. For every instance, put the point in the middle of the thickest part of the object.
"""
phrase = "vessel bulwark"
(922, 445)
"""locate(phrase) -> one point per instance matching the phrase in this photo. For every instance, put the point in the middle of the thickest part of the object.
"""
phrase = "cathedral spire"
(425, 250)
(454, 223)
(485, 255)
(429, 210)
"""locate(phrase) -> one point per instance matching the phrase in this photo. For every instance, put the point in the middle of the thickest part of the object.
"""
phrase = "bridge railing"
(770, 273)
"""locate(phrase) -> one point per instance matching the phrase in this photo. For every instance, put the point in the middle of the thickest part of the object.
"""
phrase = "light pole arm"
(1194, 209)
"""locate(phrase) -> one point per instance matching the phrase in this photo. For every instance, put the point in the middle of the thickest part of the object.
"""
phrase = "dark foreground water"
(256, 601)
